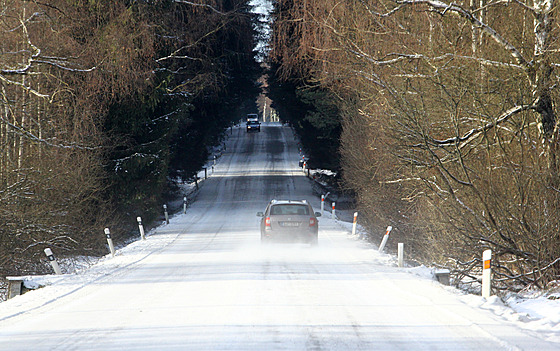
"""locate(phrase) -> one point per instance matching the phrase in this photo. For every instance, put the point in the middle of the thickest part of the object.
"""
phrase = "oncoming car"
(253, 126)
(289, 220)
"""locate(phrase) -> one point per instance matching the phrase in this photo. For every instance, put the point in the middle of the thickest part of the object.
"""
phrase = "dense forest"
(104, 106)
(444, 115)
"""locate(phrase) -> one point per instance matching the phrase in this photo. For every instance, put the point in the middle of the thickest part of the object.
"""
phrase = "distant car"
(252, 117)
(253, 126)
(289, 220)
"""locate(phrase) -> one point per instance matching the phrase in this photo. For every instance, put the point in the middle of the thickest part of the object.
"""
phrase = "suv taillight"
(267, 222)
(312, 221)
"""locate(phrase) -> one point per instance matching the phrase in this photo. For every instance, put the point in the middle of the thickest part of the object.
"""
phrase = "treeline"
(104, 105)
(449, 122)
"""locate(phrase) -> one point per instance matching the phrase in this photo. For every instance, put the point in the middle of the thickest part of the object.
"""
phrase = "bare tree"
(51, 178)
(466, 92)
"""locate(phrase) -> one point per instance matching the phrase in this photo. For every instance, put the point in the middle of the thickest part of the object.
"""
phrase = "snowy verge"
(534, 310)
(54, 287)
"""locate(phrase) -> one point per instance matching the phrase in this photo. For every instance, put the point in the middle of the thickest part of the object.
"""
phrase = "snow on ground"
(535, 310)
(54, 287)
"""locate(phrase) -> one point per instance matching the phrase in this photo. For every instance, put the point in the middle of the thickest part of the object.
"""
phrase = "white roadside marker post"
(355, 223)
(141, 228)
(322, 203)
(52, 261)
(333, 214)
(400, 254)
(110, 241)
(385, 238)
(486, 273)
(166, 214)
(184, 205)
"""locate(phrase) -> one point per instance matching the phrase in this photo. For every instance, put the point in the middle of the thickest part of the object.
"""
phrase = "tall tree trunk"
(4, 140)
(542, 81)
(23, 123)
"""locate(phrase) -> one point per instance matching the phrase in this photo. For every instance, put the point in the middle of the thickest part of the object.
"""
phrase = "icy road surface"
(204, 282)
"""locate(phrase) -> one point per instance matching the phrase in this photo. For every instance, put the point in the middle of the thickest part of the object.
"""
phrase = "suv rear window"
(289, 210)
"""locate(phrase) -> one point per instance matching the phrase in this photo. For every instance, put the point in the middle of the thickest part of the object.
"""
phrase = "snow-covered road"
(204, 282)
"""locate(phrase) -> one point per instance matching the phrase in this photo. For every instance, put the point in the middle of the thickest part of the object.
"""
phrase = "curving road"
(204, 282)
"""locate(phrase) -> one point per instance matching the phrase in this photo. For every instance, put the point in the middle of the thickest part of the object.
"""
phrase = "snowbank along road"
(204, 282)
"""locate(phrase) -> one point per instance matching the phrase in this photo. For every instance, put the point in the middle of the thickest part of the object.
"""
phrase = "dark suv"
(253, 126)
(289, 220)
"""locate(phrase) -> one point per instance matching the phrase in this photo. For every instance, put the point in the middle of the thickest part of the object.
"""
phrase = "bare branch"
(460, 11)
(387, 14)
(476, 131)
(66, 68)
(23, 86)
(201, 5)
(20, 131)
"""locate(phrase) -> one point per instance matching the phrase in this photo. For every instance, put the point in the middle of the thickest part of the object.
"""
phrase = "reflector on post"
(166, 214)
(354, 223)
(110, 242)
(141, 228)
(486, 273)
(52, 261)
(385, 238)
